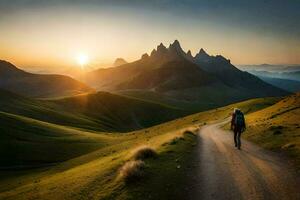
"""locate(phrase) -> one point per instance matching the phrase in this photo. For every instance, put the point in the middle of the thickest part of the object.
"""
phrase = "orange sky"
(51, 38)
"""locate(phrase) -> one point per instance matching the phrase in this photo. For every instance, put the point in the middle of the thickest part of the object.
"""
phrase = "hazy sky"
(50, 34)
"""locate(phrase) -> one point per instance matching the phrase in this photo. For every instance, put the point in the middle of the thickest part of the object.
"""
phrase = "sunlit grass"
(277, 127)
(94, 175)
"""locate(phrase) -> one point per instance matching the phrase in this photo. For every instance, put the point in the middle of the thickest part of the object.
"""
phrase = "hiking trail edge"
(223, 172)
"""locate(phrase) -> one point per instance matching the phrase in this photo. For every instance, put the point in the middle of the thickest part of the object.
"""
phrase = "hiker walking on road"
(238, 126)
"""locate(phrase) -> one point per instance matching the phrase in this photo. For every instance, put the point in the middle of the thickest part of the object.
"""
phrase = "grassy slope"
(28, 142)
(206, 94)
(44, 111)
(157, 97)
(100, 111)
(277, 127)
(95, 175)
(165, 175)
(113, 110)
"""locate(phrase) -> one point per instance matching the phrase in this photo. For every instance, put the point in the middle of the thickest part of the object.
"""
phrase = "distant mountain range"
(39, 85)
(295, 75)
(270, 68)
(167, 76)
(172, 74)
(289, 81)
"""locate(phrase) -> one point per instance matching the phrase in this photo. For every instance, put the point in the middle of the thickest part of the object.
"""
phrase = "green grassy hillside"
(215, 99)
(92, 168)
(43, 110)
(277, 127)
(25, 142)
(113, 110)
(100, 111)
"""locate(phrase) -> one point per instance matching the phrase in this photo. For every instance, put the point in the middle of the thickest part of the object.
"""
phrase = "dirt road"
(223, 172)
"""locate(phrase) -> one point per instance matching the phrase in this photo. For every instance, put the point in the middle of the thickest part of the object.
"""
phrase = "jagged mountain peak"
(161, 45)
(202, 56)
(153, 52)
(189, 55)
(145, 56)
(202, 51)
(164, 54)
(161, 48)
(175, 45)
(171, 71)
(175, 50)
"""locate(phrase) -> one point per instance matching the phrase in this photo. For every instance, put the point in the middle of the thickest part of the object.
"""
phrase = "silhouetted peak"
(202, 52)
(176, 42)
(176, 50)
(153, 52)
(175, 45)
(145, 56)
(119, 61)
(202, 56)
(189, 55)
(173, 52)
(161, 48)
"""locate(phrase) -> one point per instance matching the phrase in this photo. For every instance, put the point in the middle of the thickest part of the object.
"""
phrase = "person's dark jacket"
(233, 125)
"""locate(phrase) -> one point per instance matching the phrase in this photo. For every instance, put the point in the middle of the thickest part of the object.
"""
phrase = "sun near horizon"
(45, 36)
(149, 100)
(82, 60)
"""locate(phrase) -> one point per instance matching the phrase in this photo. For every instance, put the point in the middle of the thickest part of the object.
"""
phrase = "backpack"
(239, 119)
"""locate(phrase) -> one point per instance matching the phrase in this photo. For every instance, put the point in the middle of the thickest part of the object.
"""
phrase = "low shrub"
(144, 152)
(132, 171)
(175, 140)
(188, 132)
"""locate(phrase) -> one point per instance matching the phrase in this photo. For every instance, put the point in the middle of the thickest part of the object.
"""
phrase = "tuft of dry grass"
(175, 140)
(191, 132)
(132, 170)
(144, 152)
(178, 139)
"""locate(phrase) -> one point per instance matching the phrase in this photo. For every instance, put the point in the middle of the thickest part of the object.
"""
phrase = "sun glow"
(82, 60)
